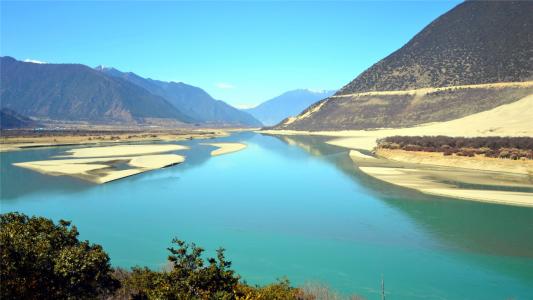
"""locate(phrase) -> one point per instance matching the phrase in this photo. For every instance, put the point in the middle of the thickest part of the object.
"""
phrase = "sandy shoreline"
(52, 139)
(122, 150)
(428, 182)
(512, 119)
(83, 164)
(477, 163)
(224, 148)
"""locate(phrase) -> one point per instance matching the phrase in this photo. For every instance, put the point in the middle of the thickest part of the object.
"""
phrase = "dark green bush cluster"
(500, 147)
(42, 260)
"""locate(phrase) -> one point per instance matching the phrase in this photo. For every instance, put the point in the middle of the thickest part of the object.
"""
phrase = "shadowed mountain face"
(476, 43)
(288, 104)
(10, 119)
(74, 92)
(191, 100)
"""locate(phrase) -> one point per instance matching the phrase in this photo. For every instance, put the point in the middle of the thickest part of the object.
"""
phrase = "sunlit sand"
(102, 169)
(224, 148)
(428, 182)
(123, 150)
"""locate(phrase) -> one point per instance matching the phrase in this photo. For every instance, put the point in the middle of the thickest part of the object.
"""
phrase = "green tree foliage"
(42, 260)
(190, 277)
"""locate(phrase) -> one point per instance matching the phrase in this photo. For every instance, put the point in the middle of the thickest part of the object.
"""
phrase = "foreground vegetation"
(497, 147)
(44, 260)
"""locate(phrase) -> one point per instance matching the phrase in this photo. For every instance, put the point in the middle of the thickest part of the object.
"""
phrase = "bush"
(42, 260)
(502, 147)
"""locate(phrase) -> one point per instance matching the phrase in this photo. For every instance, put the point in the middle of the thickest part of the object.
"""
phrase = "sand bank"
(102, 170)
(512, 119)
(123, 150)
(224, 148)
(476, 163)
(13, 141)
(356, 155)
(431, 182)
(82, 163)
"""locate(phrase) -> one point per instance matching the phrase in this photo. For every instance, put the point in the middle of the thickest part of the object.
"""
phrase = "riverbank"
(477, 162)
(419, 171)
(15, 140)
(440, 182)
(512, 119)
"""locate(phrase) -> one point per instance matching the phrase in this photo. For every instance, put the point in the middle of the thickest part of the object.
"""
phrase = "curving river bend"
(295, 207)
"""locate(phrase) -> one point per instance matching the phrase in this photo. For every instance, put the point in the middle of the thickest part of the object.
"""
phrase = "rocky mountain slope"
(290, 103)
(475, 57)
(191, 100)
(10, 119)
(74, 92)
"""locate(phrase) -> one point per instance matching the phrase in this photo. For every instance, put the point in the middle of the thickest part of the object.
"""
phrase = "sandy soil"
(477, 162)
(496, 85)
(224, 148)
(25, 140)
(354, 154)
(514, 119)
(429, 182)
(82, 163)
(123, 150)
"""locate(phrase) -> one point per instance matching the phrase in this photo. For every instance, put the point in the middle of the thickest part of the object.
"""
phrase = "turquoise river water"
(293, 207)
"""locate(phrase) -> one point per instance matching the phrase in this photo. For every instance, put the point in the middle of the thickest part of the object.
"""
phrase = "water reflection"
(459, 224)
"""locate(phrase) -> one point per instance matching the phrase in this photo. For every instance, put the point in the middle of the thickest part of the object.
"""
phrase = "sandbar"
(356, 155)
(224, 148)
(123, 150)
(102, 170)
(429, 183)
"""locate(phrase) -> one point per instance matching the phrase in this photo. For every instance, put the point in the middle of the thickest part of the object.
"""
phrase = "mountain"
(290, 103)
(10, 119)
(189, 99)
(74, 92)
(473, 58)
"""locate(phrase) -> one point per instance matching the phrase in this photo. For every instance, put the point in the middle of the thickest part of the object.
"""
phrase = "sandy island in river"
(224, 148)
(100, 167)
(123, 150)
(512, 119)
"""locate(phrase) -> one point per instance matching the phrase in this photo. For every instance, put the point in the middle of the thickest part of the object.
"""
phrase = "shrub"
(42, 260)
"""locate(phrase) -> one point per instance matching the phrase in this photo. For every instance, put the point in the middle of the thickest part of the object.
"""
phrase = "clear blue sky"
(240, 52)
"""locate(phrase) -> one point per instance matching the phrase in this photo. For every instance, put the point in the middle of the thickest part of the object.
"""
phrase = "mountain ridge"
(474, 44)
(191, 100)
(75, 92)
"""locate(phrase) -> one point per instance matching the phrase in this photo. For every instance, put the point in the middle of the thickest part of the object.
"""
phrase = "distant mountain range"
(10, 119)
(473, 58)
(192, 101)
(74, 92)
(290, 103)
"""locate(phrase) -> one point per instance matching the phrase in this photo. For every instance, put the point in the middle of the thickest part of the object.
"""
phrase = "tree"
(43, 260)
(188, 278)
